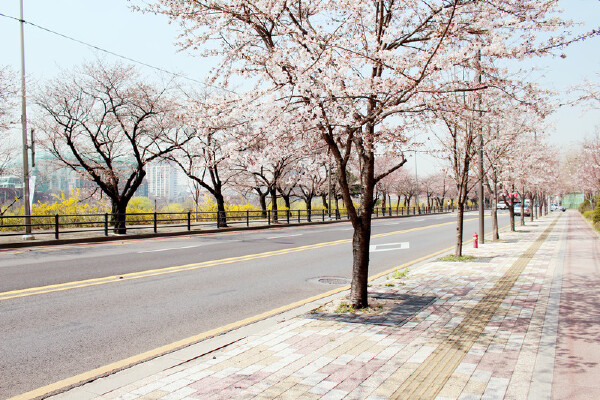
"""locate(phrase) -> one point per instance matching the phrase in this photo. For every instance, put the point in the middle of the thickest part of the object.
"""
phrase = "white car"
(501, 205)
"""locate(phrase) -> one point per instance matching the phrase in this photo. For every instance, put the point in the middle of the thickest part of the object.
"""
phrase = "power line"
(113, 53)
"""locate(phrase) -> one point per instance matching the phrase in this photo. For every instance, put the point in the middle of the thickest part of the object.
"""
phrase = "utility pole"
(27, 235)
(329, 186)
(416, 183)
(481, 172)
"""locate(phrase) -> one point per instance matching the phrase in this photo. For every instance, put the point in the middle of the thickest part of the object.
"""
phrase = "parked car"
(557, 207)
(519, 208)
(501, 205)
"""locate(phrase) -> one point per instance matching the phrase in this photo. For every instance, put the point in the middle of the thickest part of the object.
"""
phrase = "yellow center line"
(188, 267)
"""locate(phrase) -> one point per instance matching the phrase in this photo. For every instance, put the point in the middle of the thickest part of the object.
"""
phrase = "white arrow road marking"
(389, 246)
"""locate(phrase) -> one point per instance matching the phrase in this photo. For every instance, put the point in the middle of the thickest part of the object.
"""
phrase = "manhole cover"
(332, 280)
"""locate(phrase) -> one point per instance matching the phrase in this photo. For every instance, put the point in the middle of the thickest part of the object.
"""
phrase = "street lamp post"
(329, 187)
(27, 235)
(481, 171)
(416, 183)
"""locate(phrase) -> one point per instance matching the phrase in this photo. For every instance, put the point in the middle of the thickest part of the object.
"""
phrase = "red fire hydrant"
(475, 240)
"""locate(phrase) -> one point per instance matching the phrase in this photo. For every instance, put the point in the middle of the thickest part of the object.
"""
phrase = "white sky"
(110, 24)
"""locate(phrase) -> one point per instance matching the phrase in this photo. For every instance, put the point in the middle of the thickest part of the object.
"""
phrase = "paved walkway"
(521, 321)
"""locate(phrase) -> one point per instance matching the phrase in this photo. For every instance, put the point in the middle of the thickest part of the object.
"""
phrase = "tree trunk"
(543, 205)
(459, 229)
(532, 207)
(119, 216)
(495, 233)
(494, 197)
(383, 203)
(286, 199)
(274, 215)
(308, 208)
(221, 215)
(522, 216)
(361, 240)
(511, 216)
(262, 199)
(324, 198)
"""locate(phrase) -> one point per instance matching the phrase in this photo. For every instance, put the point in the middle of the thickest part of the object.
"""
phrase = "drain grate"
(334, 280)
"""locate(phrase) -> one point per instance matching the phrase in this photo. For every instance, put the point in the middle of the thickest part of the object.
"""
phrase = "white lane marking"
(172, 248)
(419, 220)
(388, 246)
(283, 236)
(187, 247)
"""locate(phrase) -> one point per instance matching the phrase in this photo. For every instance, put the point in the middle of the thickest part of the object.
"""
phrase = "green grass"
(389, 284)
(397, 274)
(589, 215)
(347, 308)
(454, 258)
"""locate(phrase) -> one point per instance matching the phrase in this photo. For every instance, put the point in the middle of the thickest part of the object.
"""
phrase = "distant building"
(142, 190)
(162, 178)
(11, 182)
(572, 200)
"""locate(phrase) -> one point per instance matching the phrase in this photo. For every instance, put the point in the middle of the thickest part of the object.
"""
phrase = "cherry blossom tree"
(508, 125)
(266, 162)
(386, 184)
(357, 73)
(403, 186)
(514, 174)
(428, 186)
(106, 123)
(441, 187)
(588, 164)
(495, 153)
(8, 93)
(459, 142)
(288, 184)
(8, 118)
(207, 157)
(312, 181)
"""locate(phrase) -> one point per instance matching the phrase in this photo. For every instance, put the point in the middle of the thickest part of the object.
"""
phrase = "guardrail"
(102, 223)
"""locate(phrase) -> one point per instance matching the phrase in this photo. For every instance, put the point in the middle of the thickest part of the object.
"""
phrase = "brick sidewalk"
(467, 330)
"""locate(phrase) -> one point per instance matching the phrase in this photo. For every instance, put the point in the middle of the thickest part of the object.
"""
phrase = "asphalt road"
(69, 309)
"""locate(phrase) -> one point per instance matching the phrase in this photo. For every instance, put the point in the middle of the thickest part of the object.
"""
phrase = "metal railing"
(188, 220)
